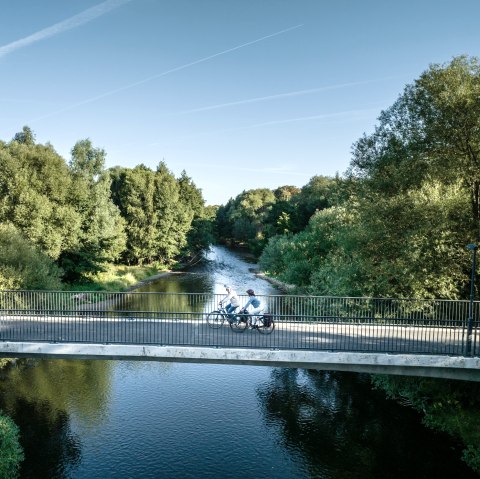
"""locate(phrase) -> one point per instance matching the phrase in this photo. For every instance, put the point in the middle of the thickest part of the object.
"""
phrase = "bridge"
(437, 338)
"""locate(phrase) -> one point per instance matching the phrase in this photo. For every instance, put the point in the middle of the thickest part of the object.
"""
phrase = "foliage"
(117, 277)
(23, 265)
(4, 362)
(255, 216)
(432, 132)
(11, 452)
(316, 195)
(35, 187)
(296, 259)
(398, 225)
(164, 216)
(407, 245)
(449, 406)
(26, 136)
(84, 217)
(102, 235)
(200, 234)
(242, 219)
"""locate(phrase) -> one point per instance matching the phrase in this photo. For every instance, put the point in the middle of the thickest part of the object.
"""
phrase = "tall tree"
(35, 187)
(200, 233)
(102, 238)
(158, 218)
(26, 136)
(316, 195)
(431, 132)
(245, 217)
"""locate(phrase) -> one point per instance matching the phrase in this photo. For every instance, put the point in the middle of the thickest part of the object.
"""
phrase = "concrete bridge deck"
(447, 367)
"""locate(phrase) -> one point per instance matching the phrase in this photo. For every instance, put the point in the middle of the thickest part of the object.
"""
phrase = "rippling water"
(121, 419)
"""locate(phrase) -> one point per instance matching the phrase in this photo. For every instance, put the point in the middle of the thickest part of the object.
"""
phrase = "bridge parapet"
(315, 323)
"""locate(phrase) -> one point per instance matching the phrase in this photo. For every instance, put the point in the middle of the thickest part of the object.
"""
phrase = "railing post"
(468, 349)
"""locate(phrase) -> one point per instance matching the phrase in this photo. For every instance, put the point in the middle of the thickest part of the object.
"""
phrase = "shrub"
(11, 452)
(23, 265)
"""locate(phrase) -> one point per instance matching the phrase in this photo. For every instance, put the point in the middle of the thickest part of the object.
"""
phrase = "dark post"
(473, 248)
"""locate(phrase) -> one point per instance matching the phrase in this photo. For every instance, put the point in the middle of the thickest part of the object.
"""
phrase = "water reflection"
(42, 396)
(340, 427)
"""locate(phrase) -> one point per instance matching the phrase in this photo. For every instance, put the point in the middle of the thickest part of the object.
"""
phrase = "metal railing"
(301, 322)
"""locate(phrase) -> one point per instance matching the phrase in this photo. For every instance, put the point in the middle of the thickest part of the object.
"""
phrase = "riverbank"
(120, 278)
(284, 287)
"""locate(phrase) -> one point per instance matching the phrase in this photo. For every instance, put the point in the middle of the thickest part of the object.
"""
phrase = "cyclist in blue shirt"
(257, 306)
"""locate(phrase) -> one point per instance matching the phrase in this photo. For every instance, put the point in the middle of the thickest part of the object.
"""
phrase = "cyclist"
(257, 306)
(231, 299)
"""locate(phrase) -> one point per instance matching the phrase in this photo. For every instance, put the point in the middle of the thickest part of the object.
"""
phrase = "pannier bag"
(267, 320)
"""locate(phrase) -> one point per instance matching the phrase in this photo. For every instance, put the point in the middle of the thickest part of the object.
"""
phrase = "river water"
(133, 419)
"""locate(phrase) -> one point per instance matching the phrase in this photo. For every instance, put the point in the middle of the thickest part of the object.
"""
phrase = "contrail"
(349, 114)
(284, 169)
(72, 22)
(325, 116)
(277, 96)
(167, 72)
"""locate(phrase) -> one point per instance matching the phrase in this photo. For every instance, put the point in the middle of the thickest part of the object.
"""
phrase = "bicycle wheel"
(239, 324)
(265, 326)
(215, 319)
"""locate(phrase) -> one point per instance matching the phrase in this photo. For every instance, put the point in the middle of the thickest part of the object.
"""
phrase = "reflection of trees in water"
(170, 297)
(338, 427)
(41, 396)
(51, 450)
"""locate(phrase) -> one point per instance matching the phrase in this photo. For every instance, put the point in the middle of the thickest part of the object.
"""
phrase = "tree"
(431, 132)
(158, 211)
(133, 195)
(24, 266)
(314, 196)
(26, 136)
(102, 235)
(400, 246)
(87, 162)
(174, 215)
(35, 187)
(244, 218)
(285, 193)
(200, 234)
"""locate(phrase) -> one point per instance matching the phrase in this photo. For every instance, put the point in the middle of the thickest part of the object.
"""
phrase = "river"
(133, 419)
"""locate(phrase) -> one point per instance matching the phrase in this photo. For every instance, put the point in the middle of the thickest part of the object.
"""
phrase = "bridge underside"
(448, 367)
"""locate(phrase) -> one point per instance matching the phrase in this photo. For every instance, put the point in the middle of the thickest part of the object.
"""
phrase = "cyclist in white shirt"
(231, 300)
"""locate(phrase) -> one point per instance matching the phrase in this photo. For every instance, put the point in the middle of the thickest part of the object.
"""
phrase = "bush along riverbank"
(284, 287)
(11, 452)
(118, 278)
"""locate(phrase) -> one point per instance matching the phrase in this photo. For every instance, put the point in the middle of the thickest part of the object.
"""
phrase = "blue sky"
(240, 93)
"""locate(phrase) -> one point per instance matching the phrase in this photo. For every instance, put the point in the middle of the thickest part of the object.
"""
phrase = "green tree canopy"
(158, 210)
(431, 132)
(102, 235)
(35, 188)
(23, 265)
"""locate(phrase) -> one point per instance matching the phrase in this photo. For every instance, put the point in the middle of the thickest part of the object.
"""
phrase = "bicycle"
(216, 318)
(264, 323)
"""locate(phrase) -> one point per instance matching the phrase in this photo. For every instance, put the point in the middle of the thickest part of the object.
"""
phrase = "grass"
(117, 278)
